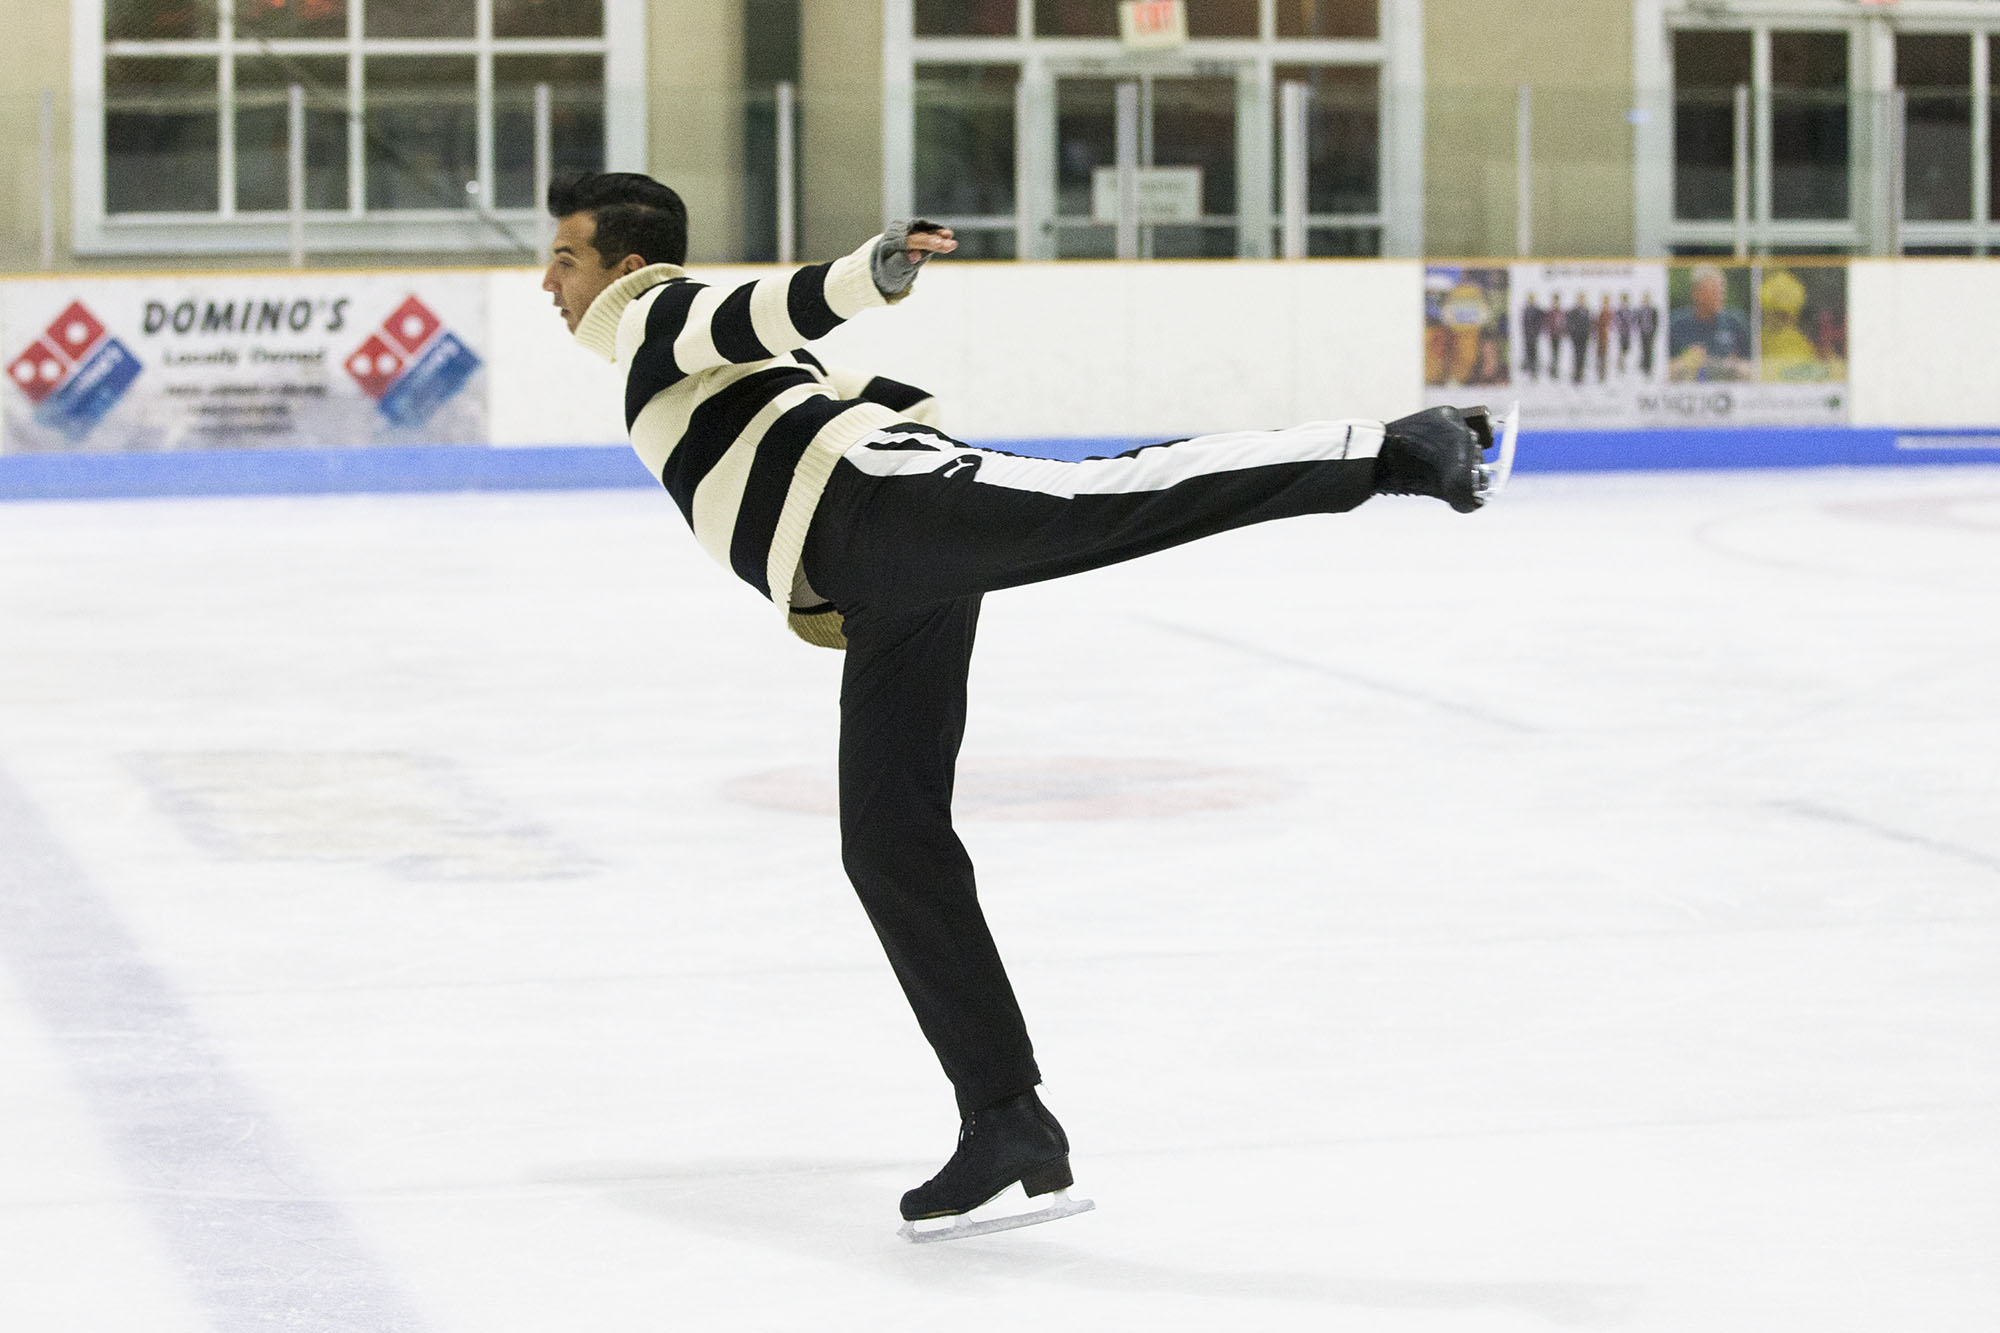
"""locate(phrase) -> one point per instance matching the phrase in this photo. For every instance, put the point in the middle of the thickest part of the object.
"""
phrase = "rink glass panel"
(576, 121)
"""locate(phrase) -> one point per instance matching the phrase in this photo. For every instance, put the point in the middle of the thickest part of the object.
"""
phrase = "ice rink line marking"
(1828, 815)
(1347, 677)
(234, 1203)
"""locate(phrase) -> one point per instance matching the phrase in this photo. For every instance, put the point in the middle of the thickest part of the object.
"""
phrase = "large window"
(1935, 72)
(1003, 118)
(418, 130)
(1820, 125)
(1947, 95)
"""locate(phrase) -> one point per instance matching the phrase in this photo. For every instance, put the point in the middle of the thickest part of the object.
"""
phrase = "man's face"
(1707, 295)
(576, 272)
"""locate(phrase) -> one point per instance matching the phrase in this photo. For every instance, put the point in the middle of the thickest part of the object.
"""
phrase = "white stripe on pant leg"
(1158, 468)
(1150, 469)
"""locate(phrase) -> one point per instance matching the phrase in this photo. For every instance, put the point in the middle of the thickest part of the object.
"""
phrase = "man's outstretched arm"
(688, 327)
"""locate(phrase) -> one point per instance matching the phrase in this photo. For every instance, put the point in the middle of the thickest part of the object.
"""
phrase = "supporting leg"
(902, 717)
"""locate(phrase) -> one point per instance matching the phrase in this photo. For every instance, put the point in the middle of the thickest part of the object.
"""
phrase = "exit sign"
(1152, 25)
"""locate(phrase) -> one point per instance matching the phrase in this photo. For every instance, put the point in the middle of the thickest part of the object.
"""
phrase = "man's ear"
(631, 264)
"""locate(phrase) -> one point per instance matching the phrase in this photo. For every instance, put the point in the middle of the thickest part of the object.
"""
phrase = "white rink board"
(1056, 351)
(1923, 338)
(1601, 935)
(1102, 350)
(1086, 350)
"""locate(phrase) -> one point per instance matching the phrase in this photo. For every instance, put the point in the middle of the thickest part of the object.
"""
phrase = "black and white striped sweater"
(737, 420)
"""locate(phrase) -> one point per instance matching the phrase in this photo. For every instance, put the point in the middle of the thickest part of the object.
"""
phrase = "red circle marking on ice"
(1058, 787)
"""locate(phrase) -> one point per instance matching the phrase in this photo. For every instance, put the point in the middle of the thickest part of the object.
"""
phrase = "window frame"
(1871, 226)
(1396, 53)
(355, 228)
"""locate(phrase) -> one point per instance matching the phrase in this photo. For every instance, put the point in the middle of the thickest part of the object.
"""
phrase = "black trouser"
(912, 529)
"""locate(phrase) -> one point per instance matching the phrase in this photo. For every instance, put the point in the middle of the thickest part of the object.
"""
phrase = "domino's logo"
(74, 373)
(412, 364)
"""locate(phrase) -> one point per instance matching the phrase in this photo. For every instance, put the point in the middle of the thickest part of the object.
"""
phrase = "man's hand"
(902, 249)
(927, 238)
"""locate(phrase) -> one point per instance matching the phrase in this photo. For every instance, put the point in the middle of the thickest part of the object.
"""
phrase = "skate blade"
(1493, 476)
(971, 1224)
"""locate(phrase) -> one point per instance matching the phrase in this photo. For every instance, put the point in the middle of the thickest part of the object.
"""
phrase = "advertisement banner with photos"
(1622, 346)
(218, 361)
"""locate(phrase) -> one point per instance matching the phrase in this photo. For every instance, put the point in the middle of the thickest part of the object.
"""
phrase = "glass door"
(1186, 144)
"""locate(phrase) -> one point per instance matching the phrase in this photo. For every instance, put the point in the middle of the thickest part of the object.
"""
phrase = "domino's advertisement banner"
(218, 361)
(1614, 346)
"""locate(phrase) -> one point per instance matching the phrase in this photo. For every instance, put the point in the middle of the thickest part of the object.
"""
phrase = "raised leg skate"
(1444, 453)
(1493, 472)
(1010, 1155)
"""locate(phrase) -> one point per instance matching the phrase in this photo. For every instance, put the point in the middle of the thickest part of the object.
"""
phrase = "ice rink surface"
(422, 913)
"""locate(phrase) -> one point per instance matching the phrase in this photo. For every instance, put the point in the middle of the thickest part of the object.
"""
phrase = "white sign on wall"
(215, 361)
(1166, 195)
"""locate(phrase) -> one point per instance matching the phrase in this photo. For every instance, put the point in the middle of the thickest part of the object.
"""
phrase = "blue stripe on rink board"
(319, 471)
(1831, 446)
(579, 467)
(231, 1200)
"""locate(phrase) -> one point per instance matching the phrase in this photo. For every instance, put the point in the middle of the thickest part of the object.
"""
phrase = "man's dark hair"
(635, 215)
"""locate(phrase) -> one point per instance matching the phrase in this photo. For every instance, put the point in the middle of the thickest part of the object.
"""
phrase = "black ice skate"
(1443, 453)
(1015, 1142)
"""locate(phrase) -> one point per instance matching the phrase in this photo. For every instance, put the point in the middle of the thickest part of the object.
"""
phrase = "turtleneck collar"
(598, 329)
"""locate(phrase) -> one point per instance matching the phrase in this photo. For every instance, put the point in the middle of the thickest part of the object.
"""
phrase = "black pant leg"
(916, 518)
(904, 542)
(902, 717)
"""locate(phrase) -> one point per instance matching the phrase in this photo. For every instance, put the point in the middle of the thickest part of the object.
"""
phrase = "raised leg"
(914, 517)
